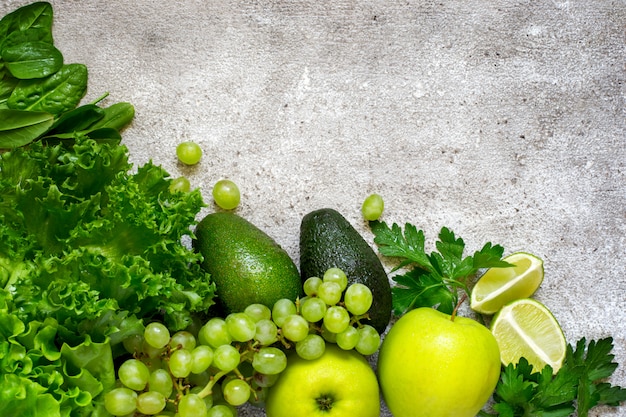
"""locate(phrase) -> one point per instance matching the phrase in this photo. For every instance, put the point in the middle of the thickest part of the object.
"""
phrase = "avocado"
(245, 263)
(328, 240)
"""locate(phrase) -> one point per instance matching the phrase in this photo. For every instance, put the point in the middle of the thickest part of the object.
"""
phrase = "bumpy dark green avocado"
(245, 263)
(328, 240)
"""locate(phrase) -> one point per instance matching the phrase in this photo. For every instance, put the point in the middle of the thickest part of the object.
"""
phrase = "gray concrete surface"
(503, 120)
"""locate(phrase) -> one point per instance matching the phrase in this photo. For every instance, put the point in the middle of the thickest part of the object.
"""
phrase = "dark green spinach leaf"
(18, 127)
(56, 94)
(34, 15)
(116, 116)
(35, 59)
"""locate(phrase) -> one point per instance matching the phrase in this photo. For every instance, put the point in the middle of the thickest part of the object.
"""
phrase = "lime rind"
(527, 328)
(499, 286)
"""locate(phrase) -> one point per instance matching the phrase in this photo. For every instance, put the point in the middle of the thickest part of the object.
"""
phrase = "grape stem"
(357, 319)
(284, 341)
(208, 389)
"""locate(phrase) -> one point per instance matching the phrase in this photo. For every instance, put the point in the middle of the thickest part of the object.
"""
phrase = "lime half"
(499, 286)
(526, 328)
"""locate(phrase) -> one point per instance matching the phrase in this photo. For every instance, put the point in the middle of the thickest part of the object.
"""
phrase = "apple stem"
(456, 308)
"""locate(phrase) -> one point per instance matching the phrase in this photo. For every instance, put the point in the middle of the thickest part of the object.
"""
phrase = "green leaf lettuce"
(89, 249)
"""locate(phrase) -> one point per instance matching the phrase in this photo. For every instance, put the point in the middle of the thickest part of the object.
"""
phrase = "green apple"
(433, 365)
(338, 384)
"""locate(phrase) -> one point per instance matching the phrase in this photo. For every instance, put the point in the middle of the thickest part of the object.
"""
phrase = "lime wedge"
(526, 328)
(499, 286)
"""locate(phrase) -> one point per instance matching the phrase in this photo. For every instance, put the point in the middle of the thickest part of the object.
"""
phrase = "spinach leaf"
(101, 124)
(116, 116)
(19, 128)
(35, 15)
(28, 35)
(77, 119)
(55, 94)
(35, 59)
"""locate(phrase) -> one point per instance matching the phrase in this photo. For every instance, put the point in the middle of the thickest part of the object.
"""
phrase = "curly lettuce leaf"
(20, 396)
(83, 236)
(39, 379)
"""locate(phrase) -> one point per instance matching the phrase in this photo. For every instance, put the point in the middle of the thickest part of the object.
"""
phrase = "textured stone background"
(503, 120)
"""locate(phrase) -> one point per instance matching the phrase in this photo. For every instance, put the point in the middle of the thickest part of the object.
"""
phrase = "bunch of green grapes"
(333, 311)
(235, 360)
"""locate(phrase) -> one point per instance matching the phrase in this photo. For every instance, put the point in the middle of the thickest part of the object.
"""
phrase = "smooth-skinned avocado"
(246, 264)
(328, 240)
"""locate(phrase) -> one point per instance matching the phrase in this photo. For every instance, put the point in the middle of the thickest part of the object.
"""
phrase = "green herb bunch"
(434, 279)
(578, 386)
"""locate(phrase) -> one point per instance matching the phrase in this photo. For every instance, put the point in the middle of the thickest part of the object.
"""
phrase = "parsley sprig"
(432, 279)
(578, 386)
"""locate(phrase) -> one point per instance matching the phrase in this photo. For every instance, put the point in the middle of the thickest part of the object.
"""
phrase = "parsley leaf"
(594, 365)
(432, 279)
(417, 288)
(576, 388)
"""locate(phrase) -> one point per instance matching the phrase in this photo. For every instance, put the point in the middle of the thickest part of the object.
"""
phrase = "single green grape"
(330, 292)
(189, 153)
(311, 347)
(226, 358)
(226, 194)
(258, 312)
(336, 319)
(369, 340)
(358, 299)
(266, 332)
(191, 405)
(236, 392)
(348, 339)
(240, 326)
(181, 363)
(336, 275)
(295, 327)
(120, 401)
(282, 309)
(269, 361)
(313, 309)
(134, 374)
(156, 335)
(373, 207)
(161, 381)
(150, 402)
(201, 358)
(180, 185)
(183, 339)
(311, 285)
(214, 333)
